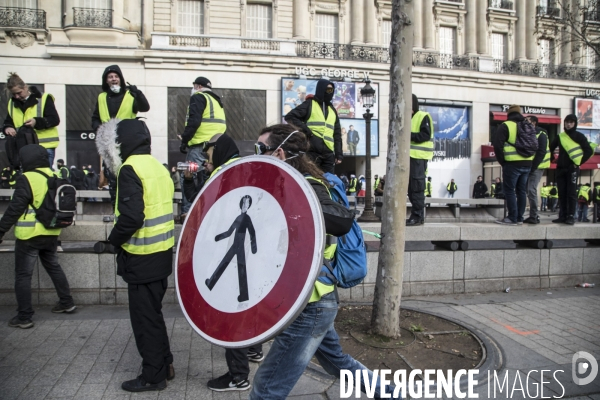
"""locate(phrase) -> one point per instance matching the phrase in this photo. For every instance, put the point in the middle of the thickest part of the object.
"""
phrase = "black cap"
(202, 81)
(60, 160)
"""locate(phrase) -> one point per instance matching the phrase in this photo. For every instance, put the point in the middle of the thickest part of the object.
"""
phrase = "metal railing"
(501, 4)
(449, 61)
(92, 17)
(450, 1)
(553, 12)
(336, 51)
(22, 18)
(527, 68)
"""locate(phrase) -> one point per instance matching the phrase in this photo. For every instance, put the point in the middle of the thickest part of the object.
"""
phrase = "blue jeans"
(582, 212)
(515, 190)
(544, 203)
(51, 153)
(312, 333)
(194, 154)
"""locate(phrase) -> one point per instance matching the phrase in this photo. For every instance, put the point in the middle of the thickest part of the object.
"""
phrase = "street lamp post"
(367, 94)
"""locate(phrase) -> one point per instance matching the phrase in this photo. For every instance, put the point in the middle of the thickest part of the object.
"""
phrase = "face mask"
(193, 91)
(115, 88)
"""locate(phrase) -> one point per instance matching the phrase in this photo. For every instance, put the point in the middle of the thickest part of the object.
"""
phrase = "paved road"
(88, 354)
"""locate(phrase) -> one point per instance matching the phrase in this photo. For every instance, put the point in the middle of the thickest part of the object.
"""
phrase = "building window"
(386, 30)
(327, 28)
(32, 4)
(97, 4)
(190, 17)
(499, 52)
(447, 46)
(545, 56)
(589, 58)
(259, 21)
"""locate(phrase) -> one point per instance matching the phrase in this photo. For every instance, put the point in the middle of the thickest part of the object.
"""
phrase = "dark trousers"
(566, 183)
(416, 187)
(325, 161)
(25, 257)
(237, 361)
(149, 329)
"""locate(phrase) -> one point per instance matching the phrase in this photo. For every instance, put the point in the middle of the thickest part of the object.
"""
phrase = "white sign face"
(237, 230)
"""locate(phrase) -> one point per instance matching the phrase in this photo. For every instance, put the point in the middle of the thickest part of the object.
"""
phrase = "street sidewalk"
(86, 355)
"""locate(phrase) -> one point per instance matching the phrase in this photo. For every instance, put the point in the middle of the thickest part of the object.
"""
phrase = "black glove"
(183, 148)
(132, 89)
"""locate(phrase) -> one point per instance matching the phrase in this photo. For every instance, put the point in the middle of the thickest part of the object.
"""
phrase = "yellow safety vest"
(28, 226)
(452, 184)
(58, 172)
(544, 191)
(545, 164)
(352, 186)
(376, 185)
(235, 158)
(48, 138)
(428, 188)
(213, 120)
(572, 148)
(156, 234)
(510, 152)
(421, 151)
(319, 126)
(584, 192)
(553, 196)
(125, 109)
(493, 191)
(597, 188)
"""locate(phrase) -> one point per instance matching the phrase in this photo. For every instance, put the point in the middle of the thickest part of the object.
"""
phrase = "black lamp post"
(367, 94)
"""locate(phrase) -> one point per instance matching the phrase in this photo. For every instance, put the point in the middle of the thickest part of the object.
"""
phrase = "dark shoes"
(532, 221)
(570, 220)
(506, 221)
(59, 308)
(170, 372)
(413, 221)
(16, 322)
(558, 221)
(139, 384)
(226, 383)
(255, 357)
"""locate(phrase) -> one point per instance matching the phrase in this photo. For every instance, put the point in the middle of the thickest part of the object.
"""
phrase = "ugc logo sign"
(583, 364)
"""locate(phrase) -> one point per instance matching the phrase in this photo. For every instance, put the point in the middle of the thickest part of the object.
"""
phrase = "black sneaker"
(558, 221)
(505, 221)
(226, 383)
(255, 357)
(531, 220)
(570, 220)
(17, 322)
(139, 384)
(59, 308)
(414, 221)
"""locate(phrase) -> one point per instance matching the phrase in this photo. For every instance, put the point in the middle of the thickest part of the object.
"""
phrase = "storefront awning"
(542, 118)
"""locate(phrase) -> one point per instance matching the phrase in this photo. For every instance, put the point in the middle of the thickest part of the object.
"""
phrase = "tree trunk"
(388, 289)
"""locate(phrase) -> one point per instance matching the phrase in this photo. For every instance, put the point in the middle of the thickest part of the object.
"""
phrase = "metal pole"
(368, 215)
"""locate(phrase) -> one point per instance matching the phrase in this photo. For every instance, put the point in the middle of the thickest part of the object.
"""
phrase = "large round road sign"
(249, 252)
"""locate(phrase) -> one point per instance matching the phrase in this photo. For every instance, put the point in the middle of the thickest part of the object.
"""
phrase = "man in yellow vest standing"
(317, 118)
(541, 161)
(574, 150)
(143, 236)
(205, 118)
(544, 194)
(584, 197)
(117, 100)
(29, 107)
(421, 151)
(33, 239)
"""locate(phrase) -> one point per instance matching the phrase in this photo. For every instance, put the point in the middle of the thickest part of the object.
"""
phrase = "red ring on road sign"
(271, 309)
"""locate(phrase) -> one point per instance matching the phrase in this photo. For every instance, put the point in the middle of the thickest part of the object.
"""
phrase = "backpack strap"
(47, 177)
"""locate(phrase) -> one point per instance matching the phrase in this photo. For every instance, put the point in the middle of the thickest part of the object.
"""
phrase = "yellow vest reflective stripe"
(48, 138)
(572, 148)
(584, 192)
(213, 120)
(421, 151)
(546, 162)
(27, 226)
(319, 126)
(453, 184)
(352, 186)
(510, 152)
(235, 158)
(156, 234)
(125, 109)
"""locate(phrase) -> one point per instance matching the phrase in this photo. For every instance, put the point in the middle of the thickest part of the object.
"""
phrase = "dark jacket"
(78, 179)
(32, 156)
(501, 137)
(91, 180)
(479, 190)
(300, 115)
(540, 154)
(114, 100)
(564, 161)
(424, 134)
(135, 269)
(50, 117)
(195, 111)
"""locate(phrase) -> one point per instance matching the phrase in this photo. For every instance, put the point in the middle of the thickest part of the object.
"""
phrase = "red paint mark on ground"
(515, 330)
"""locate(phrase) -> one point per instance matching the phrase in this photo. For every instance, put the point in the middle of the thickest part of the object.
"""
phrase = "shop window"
(96, 4)
(259, 21)
(327, 28)
(190, 17)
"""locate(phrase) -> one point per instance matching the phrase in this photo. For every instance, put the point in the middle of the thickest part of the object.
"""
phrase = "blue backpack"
(349, 265)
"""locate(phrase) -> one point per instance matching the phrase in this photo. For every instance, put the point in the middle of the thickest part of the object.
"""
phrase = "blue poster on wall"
(452, 132)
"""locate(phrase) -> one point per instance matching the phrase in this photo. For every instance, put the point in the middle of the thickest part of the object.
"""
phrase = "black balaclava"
(33, 156)
(321, 93)
(224, 150)
(571, 117)
(415, 103)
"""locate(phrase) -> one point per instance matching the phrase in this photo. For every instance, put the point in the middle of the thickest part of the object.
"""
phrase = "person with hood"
(143, 236)
(205, 118)
(574, 150)
(91, 181)
(353, 185)
(480, 188)
(117, 100)
(421, 151)
(584, 199)
(515, 167)
(317, 118)
(28, 107)
(33, 239)
(77, 178)
(541, 161)
(63, 172)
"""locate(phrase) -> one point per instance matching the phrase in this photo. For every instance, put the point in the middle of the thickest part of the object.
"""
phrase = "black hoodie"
(299, 115)
(32, 156)
(114, 100)
(134, 137)
(50, 117)
(564, 161)
(424, 134)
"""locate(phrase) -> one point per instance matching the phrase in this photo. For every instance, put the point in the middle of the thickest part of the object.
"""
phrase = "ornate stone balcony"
(92, 17)
(505, 5)
(23, 26)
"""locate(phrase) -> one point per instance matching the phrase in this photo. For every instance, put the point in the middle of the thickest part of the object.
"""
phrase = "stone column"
(428, 25)
(370, 22)
(471, 27)
(357, 36)
(482, 31)
(530, 38)
(520, 30)
(301, 19)
(418, 22)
